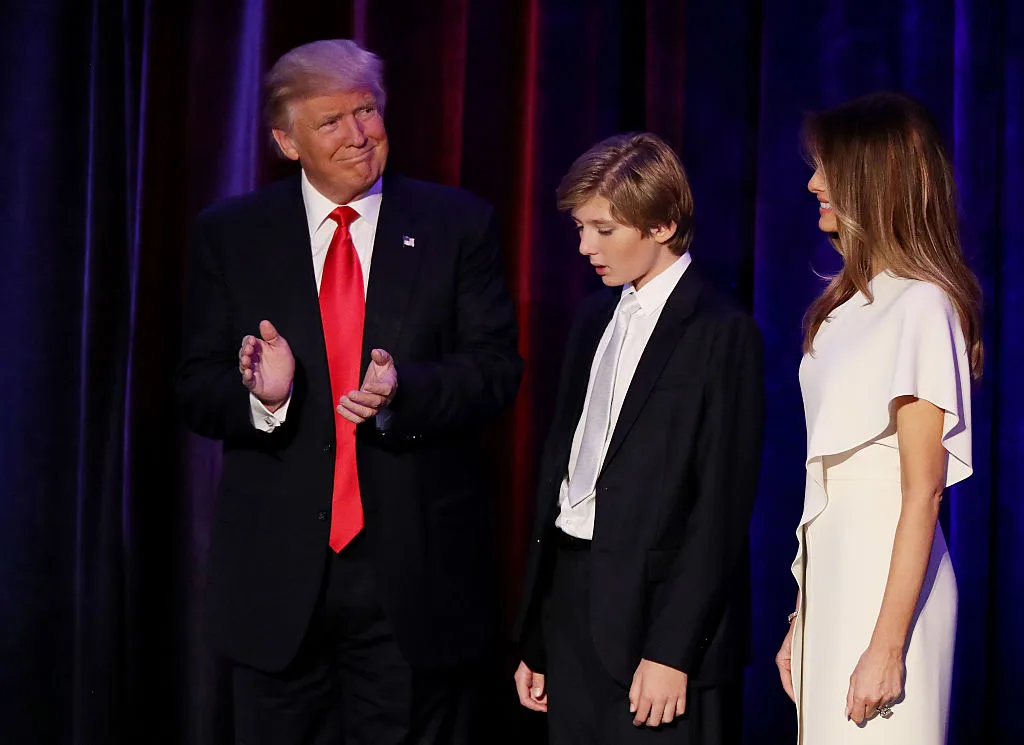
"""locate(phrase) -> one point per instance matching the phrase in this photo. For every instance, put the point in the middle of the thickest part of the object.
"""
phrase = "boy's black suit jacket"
(670, 552)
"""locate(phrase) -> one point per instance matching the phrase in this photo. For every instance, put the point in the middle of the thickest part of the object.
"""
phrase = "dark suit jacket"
(441, 308)
(670, 559)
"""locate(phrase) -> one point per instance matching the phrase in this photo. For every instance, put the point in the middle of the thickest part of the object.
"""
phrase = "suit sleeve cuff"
(382, 420)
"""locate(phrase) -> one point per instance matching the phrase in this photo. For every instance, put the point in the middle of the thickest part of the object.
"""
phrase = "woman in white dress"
(891, 348)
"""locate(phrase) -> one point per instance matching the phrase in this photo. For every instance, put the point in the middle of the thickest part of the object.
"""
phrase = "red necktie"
(342, 306)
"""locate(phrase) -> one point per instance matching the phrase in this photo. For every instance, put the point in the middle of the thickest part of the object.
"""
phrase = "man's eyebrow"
(324, 118)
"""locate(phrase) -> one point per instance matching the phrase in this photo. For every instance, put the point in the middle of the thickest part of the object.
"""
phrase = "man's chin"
(364, 173)
(360, 183)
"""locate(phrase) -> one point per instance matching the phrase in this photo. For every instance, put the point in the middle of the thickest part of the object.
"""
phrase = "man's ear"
(664, 233)
(285, 143)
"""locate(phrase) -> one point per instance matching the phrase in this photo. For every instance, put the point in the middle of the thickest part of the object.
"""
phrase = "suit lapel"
(394, 267)
(678, 308)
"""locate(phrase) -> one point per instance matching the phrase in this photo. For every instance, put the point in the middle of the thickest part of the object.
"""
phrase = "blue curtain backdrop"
(121, 120)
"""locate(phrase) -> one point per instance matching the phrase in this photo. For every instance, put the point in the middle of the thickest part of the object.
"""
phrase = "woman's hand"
(784, 659)
(876, 681)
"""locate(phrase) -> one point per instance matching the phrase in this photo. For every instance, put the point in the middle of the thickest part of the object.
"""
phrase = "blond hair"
(326, 66)
(643, 181)
(891, 187)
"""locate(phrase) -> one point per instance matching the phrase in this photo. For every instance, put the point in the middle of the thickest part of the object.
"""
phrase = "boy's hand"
(658, 694)
(530, 686)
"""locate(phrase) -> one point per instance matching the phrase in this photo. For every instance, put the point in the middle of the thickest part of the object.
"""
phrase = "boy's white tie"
(595, 429)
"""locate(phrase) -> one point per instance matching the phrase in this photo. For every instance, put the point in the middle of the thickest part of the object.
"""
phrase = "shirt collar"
(319, 207)
(654, 294)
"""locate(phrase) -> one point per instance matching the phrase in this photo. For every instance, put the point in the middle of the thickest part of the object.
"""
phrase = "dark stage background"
(122, 119)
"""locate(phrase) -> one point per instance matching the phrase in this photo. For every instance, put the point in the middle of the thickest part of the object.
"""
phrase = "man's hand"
(375, 394)
(658, 694)
(267, 366)
(530, 686)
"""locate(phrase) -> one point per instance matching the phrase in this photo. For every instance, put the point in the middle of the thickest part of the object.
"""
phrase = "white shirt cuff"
(263, 419)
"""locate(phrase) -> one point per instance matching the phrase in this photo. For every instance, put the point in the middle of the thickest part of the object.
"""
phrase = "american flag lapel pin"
(408, 240)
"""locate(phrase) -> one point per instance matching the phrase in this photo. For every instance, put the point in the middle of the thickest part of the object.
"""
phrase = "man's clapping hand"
(267, 366)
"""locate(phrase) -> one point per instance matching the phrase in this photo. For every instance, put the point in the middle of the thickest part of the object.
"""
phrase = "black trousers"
(350, 684)
(586, 706)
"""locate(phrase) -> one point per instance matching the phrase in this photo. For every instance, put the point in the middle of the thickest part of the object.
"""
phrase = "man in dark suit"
(347, 572)
(635, 616)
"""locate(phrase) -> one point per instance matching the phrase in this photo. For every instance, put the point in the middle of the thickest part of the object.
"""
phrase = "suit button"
(322, 516)
(329, 447)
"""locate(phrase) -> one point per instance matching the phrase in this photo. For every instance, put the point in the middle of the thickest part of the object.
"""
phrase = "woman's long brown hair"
(890, 183)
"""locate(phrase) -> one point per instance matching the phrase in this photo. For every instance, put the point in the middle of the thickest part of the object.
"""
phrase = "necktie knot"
(629, 304)
(344, 215)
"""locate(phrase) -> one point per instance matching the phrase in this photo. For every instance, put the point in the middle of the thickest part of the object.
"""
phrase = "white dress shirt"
(579, 520)
(321, 230)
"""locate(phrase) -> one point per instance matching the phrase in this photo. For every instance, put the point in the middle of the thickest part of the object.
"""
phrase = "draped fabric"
(123, 119)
